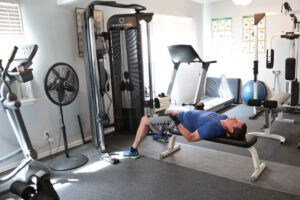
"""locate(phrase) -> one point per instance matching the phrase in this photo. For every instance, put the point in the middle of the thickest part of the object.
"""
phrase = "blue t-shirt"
(208, 124)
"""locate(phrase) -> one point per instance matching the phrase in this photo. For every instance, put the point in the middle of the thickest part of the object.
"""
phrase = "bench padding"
(248, 142)
(280, 98)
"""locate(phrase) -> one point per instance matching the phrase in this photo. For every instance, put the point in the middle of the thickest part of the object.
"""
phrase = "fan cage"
(61, 69)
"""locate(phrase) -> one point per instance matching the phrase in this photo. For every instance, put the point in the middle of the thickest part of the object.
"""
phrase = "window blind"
(11, 32)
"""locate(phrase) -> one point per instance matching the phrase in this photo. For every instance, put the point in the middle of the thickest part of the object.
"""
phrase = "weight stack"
(295, 93)
(290, 65)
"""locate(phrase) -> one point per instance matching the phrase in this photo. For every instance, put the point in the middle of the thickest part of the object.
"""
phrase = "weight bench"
(273, 108)
(248, 143)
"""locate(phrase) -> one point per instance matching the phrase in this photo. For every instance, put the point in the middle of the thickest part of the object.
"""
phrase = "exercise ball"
(248, 91)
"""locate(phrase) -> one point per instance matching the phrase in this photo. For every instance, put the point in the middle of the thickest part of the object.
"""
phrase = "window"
(10, 28)
(11, 34)
(171, 30)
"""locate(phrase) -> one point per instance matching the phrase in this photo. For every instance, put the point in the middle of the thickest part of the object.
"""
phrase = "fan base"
(68, 163)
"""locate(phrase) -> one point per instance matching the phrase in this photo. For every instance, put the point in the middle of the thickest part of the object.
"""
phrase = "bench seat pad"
(248, 142)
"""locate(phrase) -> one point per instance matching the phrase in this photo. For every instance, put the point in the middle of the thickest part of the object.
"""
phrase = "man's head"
(236, 128)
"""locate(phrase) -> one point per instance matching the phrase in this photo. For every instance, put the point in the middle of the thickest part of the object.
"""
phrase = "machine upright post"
(257, 18)
(63, 127)
(96, 79)
(150, 68)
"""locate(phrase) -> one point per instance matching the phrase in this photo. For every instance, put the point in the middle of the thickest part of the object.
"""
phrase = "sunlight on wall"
(170, 30)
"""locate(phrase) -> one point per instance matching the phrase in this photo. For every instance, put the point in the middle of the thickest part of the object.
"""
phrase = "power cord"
(49, 147)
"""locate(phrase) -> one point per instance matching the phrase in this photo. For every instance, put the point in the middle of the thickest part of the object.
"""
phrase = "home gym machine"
(291, 62)
(187, 54)
(30, 179)
(122, 42)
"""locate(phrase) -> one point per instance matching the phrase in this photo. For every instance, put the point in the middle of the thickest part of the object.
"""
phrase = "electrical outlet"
(46, 135)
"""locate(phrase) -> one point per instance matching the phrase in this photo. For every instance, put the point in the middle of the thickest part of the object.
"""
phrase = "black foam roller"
(156, 103)
(21, 189)
(290, 65)
(270, 104)
(271, 63)
(295, 93)
(254, 102)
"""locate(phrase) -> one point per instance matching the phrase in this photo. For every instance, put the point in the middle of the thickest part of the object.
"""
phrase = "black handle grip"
(209, 62)
(35, 48)
(1, 67)
(11, 58)
(188, 104)
(13, 54)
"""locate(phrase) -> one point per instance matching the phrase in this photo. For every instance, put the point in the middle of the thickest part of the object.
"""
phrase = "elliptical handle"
(35, 48)
(11, 58)
(213, 61)
(1, 67)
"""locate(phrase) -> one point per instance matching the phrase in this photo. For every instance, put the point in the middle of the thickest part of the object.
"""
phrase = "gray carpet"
(268, 149)
(277, 176)
(148, 179)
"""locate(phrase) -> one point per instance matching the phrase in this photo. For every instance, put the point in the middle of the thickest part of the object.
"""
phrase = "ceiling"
(205, 1)
(68, 2)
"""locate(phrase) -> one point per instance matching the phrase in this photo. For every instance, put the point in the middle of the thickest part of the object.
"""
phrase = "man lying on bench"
(194, 125)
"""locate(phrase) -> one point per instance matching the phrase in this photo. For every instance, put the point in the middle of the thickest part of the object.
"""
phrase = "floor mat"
(279, 177)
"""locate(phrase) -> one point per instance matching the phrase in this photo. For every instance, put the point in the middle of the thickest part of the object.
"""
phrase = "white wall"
(53, 28)
(237, 64)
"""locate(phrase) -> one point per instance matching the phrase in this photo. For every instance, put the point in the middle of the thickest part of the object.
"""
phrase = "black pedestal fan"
(61, 87)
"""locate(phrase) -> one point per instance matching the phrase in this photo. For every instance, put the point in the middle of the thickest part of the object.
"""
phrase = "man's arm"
(190, 137)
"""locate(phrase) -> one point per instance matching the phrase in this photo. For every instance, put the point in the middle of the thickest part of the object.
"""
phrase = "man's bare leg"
(141, 132)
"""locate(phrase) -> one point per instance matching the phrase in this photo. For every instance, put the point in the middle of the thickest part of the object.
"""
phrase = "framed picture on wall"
(98, 16)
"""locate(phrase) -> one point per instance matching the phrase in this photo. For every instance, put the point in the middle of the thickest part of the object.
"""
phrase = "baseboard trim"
(45, 154)
(60, 149)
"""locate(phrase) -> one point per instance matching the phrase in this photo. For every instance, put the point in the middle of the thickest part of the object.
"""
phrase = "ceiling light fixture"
(241, 2)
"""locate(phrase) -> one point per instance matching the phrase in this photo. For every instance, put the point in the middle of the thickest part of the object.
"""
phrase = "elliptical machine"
(30, 179)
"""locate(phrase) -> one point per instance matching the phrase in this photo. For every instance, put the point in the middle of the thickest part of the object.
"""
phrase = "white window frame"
(23, 90)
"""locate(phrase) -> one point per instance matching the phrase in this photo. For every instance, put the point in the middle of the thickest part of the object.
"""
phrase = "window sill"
(27, 101)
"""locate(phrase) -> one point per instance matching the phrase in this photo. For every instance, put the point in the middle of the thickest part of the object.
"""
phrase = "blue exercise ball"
(248, 91)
